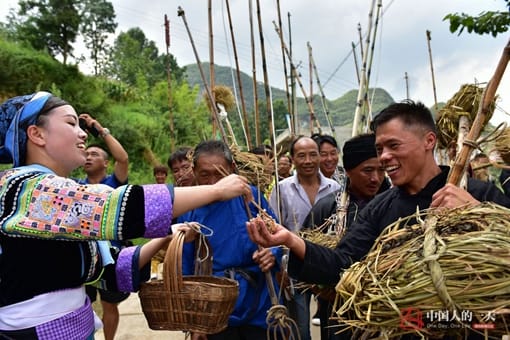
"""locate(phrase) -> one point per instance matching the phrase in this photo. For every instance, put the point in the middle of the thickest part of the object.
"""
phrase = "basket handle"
(172, 272)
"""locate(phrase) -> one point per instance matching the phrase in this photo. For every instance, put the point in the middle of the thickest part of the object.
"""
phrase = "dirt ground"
(133, 326)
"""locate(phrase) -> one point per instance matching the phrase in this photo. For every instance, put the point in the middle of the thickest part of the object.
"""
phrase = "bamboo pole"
(432, 70)
(239, 81)
(169, 82)
(211, 56)
(321, 90)
(359, 100)
(294, 114)
(310, 70)
(372, 42)
(296, 76)
(488, 95)
(368, 103)
(360, 36)
(254, 76)
(355, 61)
(406, 79)
(214, 109)
(264, 71)
(287, 94)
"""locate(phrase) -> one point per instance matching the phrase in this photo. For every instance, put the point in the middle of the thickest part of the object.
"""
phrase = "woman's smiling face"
(63, 140)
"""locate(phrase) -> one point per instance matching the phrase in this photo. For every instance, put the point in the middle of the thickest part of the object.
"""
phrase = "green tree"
(487, 22)
(49, 24)
(192, 119)
(98, 20)
(134, 57)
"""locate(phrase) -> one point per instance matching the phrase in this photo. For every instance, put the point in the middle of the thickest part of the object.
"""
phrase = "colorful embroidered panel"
(55, 207)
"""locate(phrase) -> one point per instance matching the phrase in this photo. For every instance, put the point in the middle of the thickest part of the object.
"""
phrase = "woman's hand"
(232, 186)
(191, 230)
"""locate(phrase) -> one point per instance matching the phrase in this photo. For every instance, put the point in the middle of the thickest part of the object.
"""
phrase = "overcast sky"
(331, 26)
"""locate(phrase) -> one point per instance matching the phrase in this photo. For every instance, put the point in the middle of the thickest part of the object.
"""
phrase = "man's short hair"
(178, 155)
(293, 144)
(160, 168)
(213, 147)
(321, 139)
(106, 155)
(411, 113)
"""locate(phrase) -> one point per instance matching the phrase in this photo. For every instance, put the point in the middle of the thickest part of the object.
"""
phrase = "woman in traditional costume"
(50, 225)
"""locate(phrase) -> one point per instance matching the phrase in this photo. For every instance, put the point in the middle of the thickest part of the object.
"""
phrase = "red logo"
(411, 318)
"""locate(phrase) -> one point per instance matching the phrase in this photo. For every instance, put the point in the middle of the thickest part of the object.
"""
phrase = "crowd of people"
(71, 235)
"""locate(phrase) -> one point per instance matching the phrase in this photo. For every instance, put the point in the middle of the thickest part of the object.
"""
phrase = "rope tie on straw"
(431, 255)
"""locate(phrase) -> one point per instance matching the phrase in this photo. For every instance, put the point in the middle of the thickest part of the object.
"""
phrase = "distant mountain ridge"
(341, 110)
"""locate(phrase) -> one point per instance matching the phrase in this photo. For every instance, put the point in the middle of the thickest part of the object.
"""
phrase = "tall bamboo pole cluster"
(314, 72)
(209, 84)
(290, 73)
(362, 114)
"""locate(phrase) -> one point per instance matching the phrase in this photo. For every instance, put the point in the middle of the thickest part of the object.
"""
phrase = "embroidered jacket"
(49, 224)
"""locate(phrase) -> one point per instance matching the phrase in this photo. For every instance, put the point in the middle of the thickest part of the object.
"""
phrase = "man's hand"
(259, 233)
(91, 122)
(264, 258)
(451, 196)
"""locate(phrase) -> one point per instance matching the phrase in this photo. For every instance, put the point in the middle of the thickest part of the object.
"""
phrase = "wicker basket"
(192, 303)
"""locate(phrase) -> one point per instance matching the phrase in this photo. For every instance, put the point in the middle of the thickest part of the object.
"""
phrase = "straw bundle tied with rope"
(449, 272)
(223, 95)
(454, 263)
(464, 103)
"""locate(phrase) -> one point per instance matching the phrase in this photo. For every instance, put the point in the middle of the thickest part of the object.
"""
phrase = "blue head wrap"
(16, 115)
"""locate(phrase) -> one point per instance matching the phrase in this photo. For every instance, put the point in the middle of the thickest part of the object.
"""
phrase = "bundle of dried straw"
(464, 102)
(459, 267)
(257, 170)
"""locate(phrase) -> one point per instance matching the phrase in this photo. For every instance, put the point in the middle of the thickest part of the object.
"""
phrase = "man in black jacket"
(365, 178)
(405, 141)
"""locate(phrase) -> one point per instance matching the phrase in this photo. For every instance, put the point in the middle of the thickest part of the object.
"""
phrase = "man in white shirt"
(297, 195)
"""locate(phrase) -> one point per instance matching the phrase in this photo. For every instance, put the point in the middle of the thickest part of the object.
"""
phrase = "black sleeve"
(320, 212)
(487, 192)
(323, 265)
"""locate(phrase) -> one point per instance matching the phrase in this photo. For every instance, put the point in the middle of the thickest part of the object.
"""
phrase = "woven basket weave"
(192, 303)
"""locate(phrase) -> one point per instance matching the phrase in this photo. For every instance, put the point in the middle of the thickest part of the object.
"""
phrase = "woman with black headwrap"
(49, 223)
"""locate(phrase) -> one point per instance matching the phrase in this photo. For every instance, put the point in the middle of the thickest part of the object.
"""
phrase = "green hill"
(341, 110)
